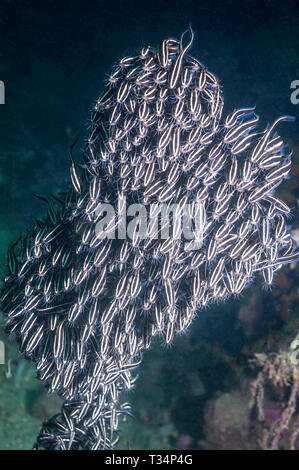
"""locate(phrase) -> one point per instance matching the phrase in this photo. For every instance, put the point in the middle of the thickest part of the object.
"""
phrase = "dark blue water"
(54, 58)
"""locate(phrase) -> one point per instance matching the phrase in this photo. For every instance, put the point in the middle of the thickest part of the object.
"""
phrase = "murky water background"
(54, 56)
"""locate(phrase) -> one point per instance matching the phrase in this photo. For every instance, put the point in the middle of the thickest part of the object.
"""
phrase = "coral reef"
(84, 305)
(227, 422)
(274, 398)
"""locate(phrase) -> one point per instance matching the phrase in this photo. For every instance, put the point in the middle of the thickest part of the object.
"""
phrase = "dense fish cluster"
(82, 306)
